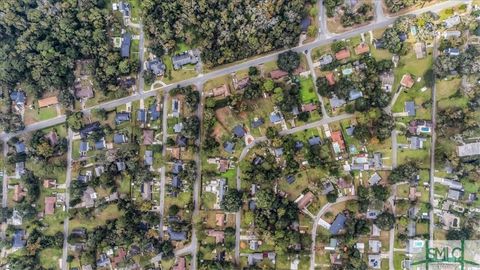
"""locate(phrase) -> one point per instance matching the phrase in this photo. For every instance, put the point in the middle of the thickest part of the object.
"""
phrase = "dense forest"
(224, 30)
(41, 40)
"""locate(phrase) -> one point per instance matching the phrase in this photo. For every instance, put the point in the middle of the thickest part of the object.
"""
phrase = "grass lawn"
(47, 113)
(177, 75)
(421, 156)
(208, 200)
(380, 54)
(49, 258)
(110, 212)
(307, 90)
(34, 115)
(417, 67)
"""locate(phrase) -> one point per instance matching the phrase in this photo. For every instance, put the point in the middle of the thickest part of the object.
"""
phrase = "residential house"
(420, 127)
(278, 74)
(452, 34)
(241, 84)
(407, 81)
(18, 99)
(239, 131)
(156, 66)
(181, 141)
(154, 112)
(47, 102)
(121, 166)
(420, 50)
(278, 152)
(148, 158)
(18, 193)
(342, 54)
(125, 47)
(83, 89)
(468, 149)
(50, 205)
(454, 194)
(452, 51)
(229, 147)
(20, 147)
(410, 108)
(354, 95)
(452, 21)
(374, 179)
(146, 191)
(16, 219)
(19, 240)
(276, 117)
(375, 246)
(175, 107)
(148, 136)
(254, 258)
(310, 107)
(89, 197)
(176, 235)
(304, 24)
(84, 147)
(336, 102)
(178, 127)
(338, 143)
(180, 264)
(221, 91)
(338, 224)
(257, 122)
(52, 137)
(327, 187)
(378, 44)
(314, 141)
(330, 78)
(100, 144)
(304, 200)
(99, 170)
(290, 179)
(362, 48)
(325, 59)
(142, 116)
(185, 58)
(387, 80)
(88, 129)
(103, 260)
(121, 117)
(416, 142)
(119, 138)
(218, 235)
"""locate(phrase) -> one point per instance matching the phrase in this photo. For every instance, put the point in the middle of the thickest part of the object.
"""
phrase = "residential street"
(229, 69)
(432, 146)
(314, 77)
(320, 213)
(67, 199)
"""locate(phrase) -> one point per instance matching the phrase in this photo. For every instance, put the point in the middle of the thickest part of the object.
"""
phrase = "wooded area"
(225, 31)
(41, 40)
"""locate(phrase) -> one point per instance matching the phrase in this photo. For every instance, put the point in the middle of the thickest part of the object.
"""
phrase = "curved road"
(320, 213)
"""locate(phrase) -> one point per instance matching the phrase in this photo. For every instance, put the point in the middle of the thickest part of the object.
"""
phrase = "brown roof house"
(407, 81)
(148, 136)
(278, 74)
(241, 84)
(18, 193)
(221, 91)
(49, 183)
(310, 107)
(46, 102)
(50, 205)
(304, 200)
(330, 78)
(343, 54)
(362, 48)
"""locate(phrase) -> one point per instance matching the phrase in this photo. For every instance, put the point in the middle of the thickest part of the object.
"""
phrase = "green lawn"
(307, 90)
(49, 258)
(47, 113)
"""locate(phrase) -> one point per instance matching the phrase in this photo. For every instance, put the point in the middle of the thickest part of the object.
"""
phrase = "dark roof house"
(125, 47)
(338, 224)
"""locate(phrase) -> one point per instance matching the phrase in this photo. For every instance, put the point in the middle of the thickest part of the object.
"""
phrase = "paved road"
(322, 19)
(164, 154)
(141, 57)
(198, 181)
(320, 213)
(323, 40)
(314, 76)
(379, 15)
(4, 189)
(432, 146)
(67, 199)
